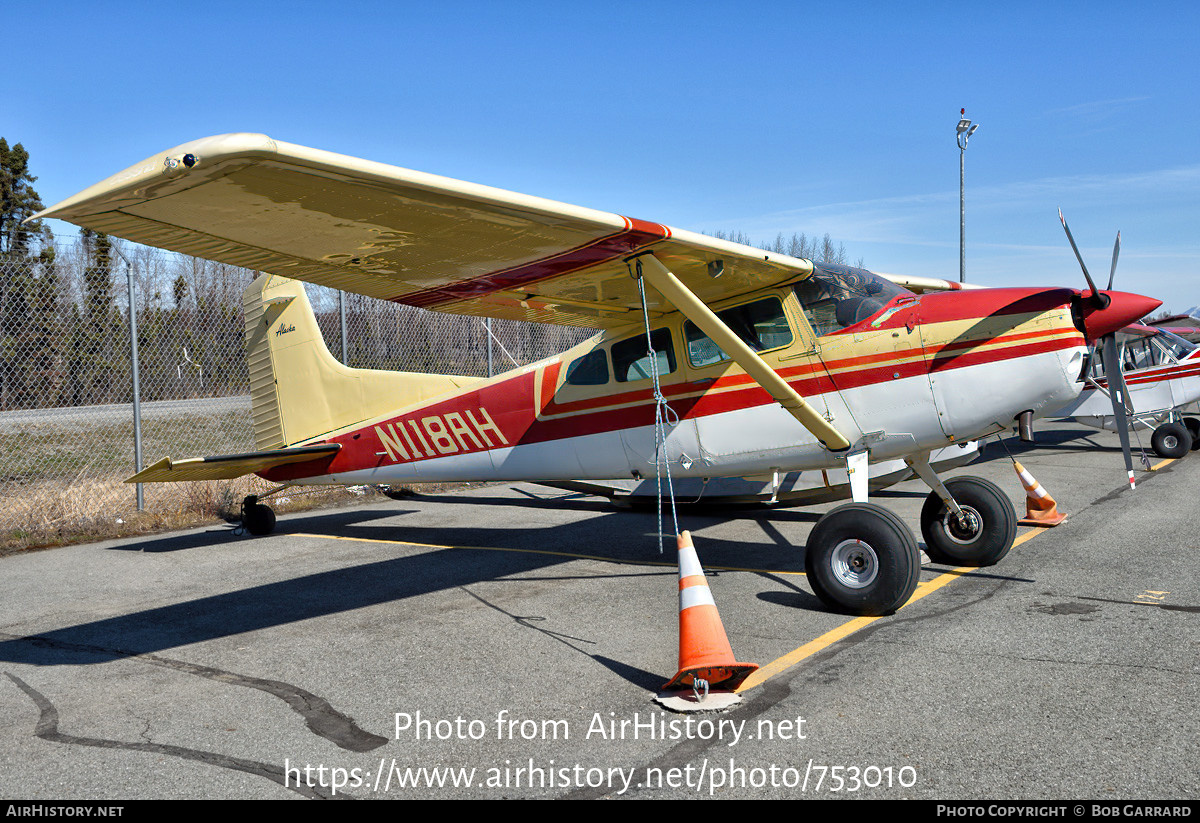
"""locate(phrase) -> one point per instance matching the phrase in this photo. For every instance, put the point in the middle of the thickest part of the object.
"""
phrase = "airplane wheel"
(1171, 440)
(984, 539)
(1193, 427)
(257, 518)
(862, 559)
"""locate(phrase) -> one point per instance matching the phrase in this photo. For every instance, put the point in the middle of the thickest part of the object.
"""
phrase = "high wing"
(920, 285)
(406, 236)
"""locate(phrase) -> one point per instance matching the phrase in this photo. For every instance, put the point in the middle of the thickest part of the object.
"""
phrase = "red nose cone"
(1122, 309)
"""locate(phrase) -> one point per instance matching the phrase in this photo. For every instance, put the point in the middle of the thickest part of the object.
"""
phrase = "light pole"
(965, 130)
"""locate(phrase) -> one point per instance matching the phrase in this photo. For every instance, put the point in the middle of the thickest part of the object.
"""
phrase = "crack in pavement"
(47, 729)
(320, 717)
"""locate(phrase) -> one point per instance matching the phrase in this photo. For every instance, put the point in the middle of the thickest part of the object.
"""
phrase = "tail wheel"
(258, 519)
(862, 559)
(1171, 440)
(982, 536)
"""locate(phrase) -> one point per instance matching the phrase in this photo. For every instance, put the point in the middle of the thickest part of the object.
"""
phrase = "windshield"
(836, 297)
(1175, 344)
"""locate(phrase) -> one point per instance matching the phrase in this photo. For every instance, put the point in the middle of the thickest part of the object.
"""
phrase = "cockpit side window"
(1138, 354)
(837, 297)
(761, 325)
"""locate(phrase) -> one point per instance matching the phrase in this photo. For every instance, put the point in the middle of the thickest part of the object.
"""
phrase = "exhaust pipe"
(1025, 426)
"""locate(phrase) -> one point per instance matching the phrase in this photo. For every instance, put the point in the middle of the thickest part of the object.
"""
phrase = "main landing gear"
(1175, 439)
(257, 518)
(863, 559)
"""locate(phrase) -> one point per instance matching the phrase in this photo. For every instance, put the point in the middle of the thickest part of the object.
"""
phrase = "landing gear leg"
(967, 521)
(257, 518)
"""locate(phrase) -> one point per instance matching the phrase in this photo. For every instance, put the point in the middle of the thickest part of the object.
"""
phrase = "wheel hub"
(965, 529)
(854, 564)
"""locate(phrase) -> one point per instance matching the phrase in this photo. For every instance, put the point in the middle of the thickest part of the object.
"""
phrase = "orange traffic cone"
(704, 650)
(1040, 508)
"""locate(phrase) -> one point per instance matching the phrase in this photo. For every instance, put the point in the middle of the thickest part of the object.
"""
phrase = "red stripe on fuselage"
(510, 403)
(1179, 372)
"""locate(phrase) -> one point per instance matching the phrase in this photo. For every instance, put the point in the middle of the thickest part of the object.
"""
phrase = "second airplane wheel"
(982, 538)
(862, 559)
(1171, 440)
(1193, 427)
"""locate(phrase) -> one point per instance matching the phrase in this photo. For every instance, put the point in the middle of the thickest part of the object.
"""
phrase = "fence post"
(137, 393)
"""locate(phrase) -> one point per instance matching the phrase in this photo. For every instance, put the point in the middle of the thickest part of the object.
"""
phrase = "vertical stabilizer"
(298, 391)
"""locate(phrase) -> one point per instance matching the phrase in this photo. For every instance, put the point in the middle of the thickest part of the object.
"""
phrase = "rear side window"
(762, 325)
(589, 370)
(632, 362)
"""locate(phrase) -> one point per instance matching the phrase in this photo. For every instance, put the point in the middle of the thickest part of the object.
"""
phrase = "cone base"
(685, 702)
(1046, 516)
(725, 676)
(1045, 522)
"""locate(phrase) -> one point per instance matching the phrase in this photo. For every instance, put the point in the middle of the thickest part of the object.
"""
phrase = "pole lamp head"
(964, 130)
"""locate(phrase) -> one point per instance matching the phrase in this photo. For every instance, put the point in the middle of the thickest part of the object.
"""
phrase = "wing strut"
(694, 309)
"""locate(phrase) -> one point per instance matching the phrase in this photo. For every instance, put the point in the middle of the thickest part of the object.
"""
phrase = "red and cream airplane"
(720, 359)
(1161, 371)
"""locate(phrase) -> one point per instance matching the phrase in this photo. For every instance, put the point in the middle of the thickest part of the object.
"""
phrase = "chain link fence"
(67, 415)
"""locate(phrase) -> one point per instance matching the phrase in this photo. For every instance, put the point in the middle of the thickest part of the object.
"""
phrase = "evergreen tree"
(18, 200)
(101, 335)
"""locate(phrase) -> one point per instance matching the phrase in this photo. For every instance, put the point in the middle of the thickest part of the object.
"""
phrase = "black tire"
(1193, 427)
(1171, 440)
(257, 518)
(988, 536)
(862, 559)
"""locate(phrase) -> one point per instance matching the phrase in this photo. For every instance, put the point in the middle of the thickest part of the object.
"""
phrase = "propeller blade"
(1117, 394)
(1113, 270)
(1078, 257)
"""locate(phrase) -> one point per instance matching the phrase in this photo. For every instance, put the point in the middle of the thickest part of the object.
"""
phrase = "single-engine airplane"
(1162, 373)
(719, 358)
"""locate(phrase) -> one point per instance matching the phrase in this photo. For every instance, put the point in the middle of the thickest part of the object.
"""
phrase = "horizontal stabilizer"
(229, 466)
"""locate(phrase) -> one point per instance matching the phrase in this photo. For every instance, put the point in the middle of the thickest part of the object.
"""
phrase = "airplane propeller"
(1117, 392)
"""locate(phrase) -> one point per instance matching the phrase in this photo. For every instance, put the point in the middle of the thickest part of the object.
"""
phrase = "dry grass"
(46, 515)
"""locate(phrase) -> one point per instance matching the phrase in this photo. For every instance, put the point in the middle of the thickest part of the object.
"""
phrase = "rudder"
(298, 390)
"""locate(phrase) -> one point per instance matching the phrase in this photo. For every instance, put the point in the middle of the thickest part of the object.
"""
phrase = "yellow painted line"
(826, 640)
(616, 560)
(1162, 463)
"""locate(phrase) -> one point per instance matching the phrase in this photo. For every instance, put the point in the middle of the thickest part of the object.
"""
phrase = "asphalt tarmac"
(508, 641)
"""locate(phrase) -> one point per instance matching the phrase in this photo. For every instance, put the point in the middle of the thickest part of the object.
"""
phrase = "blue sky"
(754, 117)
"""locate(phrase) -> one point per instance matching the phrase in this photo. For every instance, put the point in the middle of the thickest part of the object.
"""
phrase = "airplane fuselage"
(920, 374)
